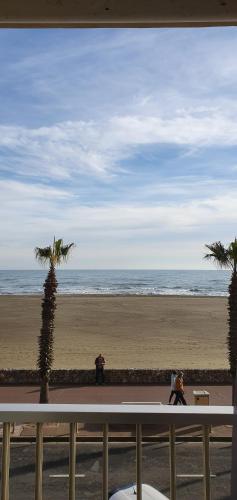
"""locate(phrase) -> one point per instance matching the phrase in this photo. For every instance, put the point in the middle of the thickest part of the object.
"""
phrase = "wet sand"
(131, 332)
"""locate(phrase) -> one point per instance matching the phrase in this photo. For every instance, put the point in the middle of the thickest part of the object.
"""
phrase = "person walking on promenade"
(173, 385)
(179, 389)
(99, 369)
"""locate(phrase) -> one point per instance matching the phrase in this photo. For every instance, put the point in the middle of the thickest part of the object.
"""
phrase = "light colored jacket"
(173, 381)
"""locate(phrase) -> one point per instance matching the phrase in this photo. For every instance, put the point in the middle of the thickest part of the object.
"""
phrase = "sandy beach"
(131, 331)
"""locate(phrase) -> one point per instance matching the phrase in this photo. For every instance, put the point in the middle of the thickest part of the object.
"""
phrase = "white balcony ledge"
(118, 414)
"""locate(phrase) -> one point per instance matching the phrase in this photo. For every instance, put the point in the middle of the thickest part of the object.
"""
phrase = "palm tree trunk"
(46, 339)
(234, 390)
(234, 447)
(232, 335)
(44, 392)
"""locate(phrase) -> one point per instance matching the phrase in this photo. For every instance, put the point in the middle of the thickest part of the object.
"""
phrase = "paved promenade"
(219, 395)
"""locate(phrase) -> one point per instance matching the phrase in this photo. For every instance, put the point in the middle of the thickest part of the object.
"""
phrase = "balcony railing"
(137, 415)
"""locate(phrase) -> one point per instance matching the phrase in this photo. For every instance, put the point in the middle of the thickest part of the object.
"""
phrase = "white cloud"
(209, 129)
(22, 205)
(52, 152)
(14, 190)
(47, 210)
(109, 235)
(69, 149)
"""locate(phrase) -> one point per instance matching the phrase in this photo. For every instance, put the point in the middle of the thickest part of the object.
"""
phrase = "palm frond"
(43, 255)
(219, 254)
(55, 253)
(233, 253)
(57, 245)
(60, 251)
(66, 249)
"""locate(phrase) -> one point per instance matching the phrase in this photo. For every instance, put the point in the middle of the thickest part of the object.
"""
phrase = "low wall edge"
(129, 376)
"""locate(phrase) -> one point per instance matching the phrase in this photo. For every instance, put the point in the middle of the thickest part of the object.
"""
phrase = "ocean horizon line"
(43, 268)
(147, 282)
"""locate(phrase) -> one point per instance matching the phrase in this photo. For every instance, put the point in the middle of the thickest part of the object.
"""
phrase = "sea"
(209, 283)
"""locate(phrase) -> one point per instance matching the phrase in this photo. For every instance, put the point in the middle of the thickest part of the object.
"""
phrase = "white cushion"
(148, 493)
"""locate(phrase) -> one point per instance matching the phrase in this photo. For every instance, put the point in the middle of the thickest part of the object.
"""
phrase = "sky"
(123, 141)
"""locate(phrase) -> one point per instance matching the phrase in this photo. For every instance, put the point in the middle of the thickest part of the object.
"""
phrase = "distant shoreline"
(125, 283)
(127, 295)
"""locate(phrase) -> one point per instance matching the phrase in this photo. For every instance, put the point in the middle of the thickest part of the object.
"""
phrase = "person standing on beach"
(173, 386)
(179, 389)
(99, 369)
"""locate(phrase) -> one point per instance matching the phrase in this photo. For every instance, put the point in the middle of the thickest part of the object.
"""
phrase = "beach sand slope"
(131, 331)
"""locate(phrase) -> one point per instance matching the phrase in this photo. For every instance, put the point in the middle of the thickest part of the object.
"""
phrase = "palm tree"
(226, 257)
(53, 255)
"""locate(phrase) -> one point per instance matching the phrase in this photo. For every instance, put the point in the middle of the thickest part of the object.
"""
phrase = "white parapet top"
(118, 414)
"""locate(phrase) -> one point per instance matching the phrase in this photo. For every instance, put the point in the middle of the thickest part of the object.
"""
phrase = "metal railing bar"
(206, 463)
(5, 461)
(39, 462)
(105, 486)
(139, 461)
(172, 457)
(121, 416)
(72, 461)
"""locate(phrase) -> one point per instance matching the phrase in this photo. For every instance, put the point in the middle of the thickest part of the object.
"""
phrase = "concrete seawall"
(130, 376)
